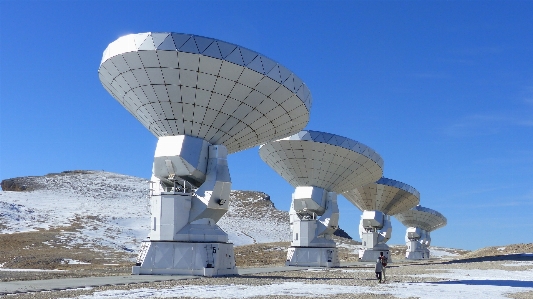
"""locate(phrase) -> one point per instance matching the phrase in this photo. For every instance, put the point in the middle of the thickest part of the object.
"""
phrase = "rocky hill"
(112, 210)
(498, 251)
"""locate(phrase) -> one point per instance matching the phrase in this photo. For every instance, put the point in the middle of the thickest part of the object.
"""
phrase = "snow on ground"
(351, 247)
(114, 210)
(253, 219)
(244, 231)
(113, 207)
(29, 270)
(459, 283)
(73, 262)
(482, 275)
(441, 253)
(519, 263)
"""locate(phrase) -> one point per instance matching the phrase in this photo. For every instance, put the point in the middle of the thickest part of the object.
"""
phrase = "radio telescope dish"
(386, 195)
(424, 218)
(184, 84)
(420, 223)
(328, 161)
(319, 165)
(378, 201)
(204, 99)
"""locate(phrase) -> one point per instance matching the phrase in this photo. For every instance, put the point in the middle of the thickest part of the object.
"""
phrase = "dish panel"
(332, 162)
(386, 195)
(183, 84)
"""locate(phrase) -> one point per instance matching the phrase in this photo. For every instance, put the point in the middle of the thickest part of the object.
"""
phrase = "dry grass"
(52, 250)
(47, 249)
(259, 255)
(500, 250)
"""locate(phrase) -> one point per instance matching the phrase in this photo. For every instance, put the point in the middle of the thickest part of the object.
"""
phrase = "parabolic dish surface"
(386, 195)
(332, 162)
(182, 84)
(424, 218)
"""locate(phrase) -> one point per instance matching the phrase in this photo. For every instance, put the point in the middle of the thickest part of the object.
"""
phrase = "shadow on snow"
(498, 283)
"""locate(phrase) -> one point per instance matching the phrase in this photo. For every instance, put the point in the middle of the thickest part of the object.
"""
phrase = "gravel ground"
(360, 275)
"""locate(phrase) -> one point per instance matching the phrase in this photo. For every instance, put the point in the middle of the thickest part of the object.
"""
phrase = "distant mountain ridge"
(113, 210)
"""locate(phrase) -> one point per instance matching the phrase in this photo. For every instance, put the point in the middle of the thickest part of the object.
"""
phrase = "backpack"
(384, 261)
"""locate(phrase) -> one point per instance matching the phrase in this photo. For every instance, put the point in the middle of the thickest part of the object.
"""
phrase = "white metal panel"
(276, 113)
(167, 108)
(281, 120)
(206, 81)
(242, 110)
(240, 92)
(235, 57)
(250, 78)
(161, 92)
(189, 47)
(209, 65)
(230, 71)
(267, 86)
(202, 100)
(171, 75)
(168, 59)
(188, 78)
(266, 106)
(281, 95)
(130, 81)
(149, 59)
(188, 61)
(133, 60)
(230, 106)
(188, 94)
(223, 86)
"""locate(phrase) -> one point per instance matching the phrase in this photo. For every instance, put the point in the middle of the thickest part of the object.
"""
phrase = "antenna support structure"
(314, 217)
(184, 237)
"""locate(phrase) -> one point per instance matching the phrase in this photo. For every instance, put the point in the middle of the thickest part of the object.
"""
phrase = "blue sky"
(442, 90)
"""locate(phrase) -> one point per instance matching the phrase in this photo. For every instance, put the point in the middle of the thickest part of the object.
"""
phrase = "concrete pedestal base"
(372, 255)
(416, 255)
(313, 257)
(201, 259)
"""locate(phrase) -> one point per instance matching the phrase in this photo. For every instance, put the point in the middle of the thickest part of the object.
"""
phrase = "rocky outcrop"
(16, 184)
(32, 183)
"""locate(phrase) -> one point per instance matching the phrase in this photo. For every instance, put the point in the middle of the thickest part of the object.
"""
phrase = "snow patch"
(29, 270)
(73, 262)
(519, 263)
(441, 253)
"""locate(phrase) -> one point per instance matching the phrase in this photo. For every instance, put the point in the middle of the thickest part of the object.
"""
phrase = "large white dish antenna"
(183, 84)
(385, 195)
(424, 218)
(328, 161)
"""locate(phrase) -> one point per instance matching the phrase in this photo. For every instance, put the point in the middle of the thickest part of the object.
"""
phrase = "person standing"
(379, 269)
(384, 261)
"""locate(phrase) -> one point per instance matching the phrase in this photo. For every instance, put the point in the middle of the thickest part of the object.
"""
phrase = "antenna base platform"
(371, 255)
(312, 257)
(185, 258)
(416, 251)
